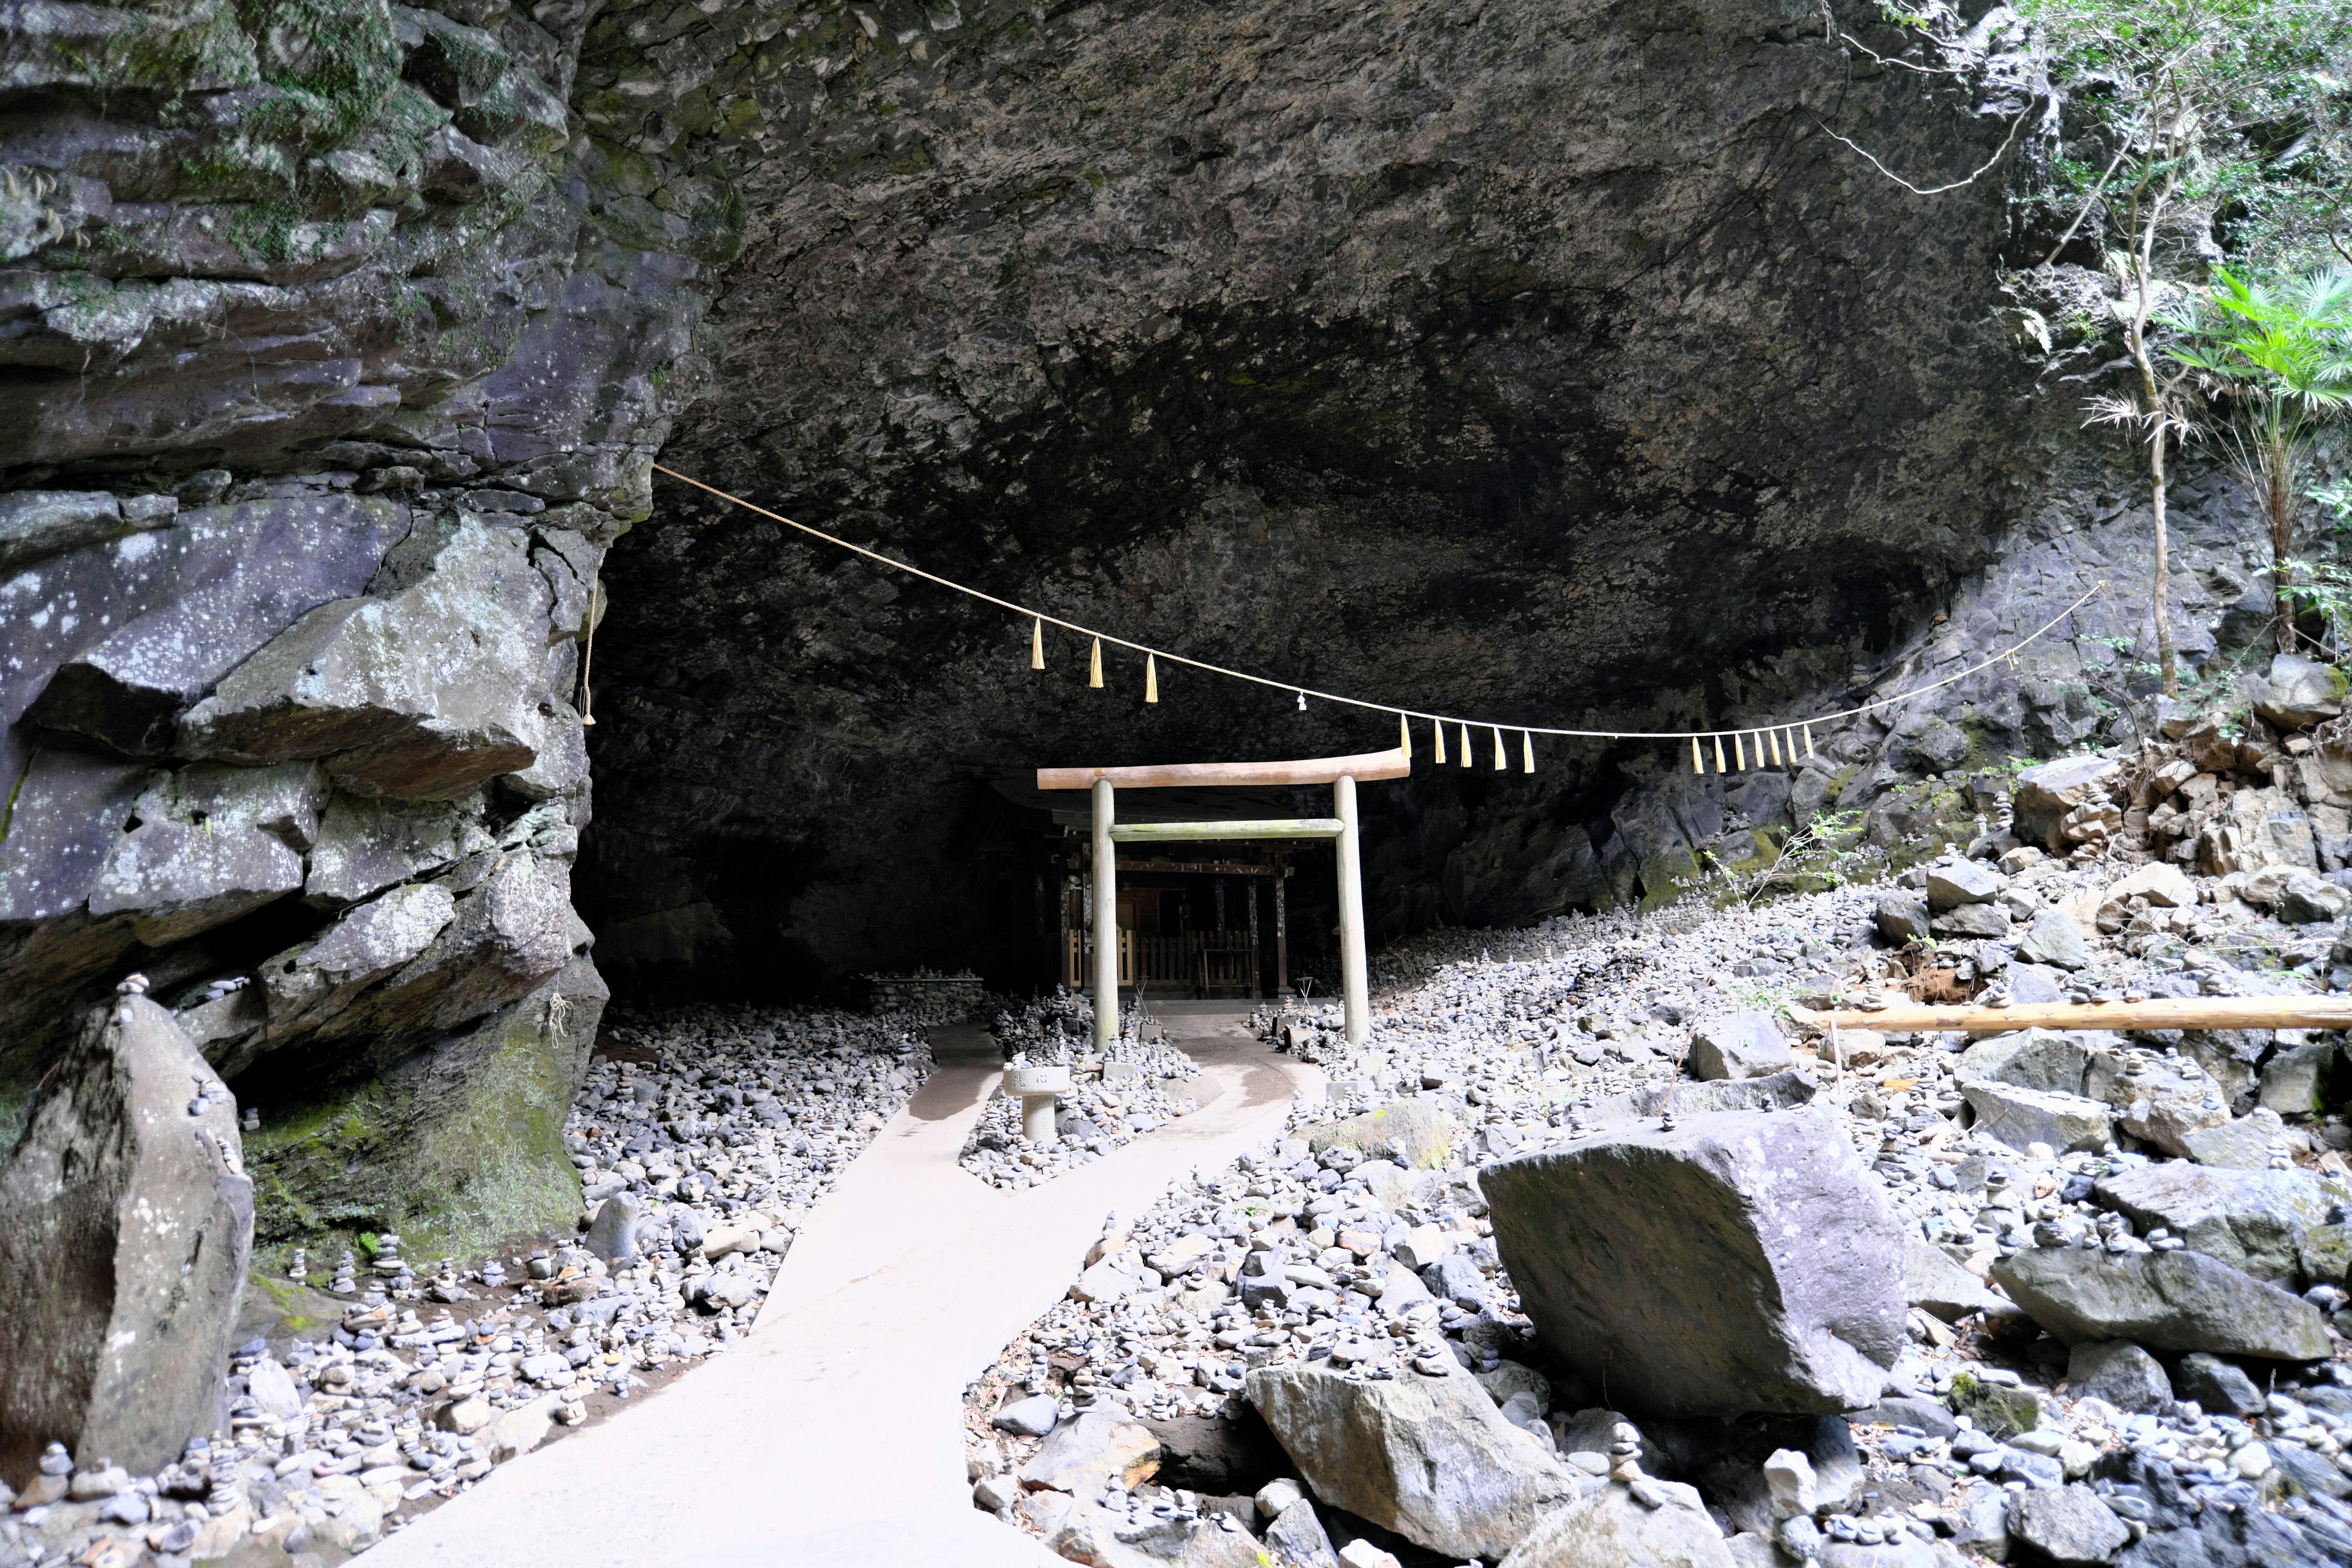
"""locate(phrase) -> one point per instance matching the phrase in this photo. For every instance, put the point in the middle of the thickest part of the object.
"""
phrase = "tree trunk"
(2168, 673)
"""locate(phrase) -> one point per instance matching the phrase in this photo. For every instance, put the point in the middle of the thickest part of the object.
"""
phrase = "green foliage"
(2224, 116)
(2274, 359)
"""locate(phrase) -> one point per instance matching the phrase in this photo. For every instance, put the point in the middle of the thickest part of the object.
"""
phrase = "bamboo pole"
(1106, 922)
(2159, 1012)
(1354, 970)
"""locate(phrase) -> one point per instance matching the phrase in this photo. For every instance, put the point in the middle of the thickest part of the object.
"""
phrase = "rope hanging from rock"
(588, 658)
(1741, 740)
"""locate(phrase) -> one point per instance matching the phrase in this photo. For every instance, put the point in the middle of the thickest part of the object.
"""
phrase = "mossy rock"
(458, 1149)
(1412, 1133)
(1999, 1412)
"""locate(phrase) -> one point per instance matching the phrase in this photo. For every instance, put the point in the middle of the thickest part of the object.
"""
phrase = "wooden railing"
(1201, 961)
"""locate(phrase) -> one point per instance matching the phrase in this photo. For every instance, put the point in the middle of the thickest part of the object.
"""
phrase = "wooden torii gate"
(1340, 773)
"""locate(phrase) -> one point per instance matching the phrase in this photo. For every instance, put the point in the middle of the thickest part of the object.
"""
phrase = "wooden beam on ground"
(1389, 765)
(1260, 827)
(2158, 1012)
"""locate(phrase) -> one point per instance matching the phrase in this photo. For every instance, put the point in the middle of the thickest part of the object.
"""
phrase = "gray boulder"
(1299, 1540)
(1934, 1283)
(1412, 1133)
(126, 1224)
(2054, 938)
(1428, 1457)
(613, 1236)
(2044, 794)
(2164, 1104)
(2243, 1144)
(1902, 918)
(2218, 1388)
(2120, 1372)
(2298, 693)
(1952, 883)
(1031, 1418)
(1094, 1448)
(1975, 921)
(2068, 1524)
(2251, 1220)
(2024, 1116)
(2292, 1079)
(1668, 1527)
(37, 524)
(1744, 1262)
(2030, 1059)
(2180, 1301)
(1738, 1045)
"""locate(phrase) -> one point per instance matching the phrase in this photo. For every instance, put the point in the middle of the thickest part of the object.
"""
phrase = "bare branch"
(2010, 141)
(2084, 210)
(1907, 64)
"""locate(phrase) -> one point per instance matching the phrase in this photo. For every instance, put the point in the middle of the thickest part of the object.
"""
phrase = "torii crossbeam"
(1340, 773)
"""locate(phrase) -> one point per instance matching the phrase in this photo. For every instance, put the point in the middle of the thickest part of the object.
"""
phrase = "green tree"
(2275, 359)
(2190, 123)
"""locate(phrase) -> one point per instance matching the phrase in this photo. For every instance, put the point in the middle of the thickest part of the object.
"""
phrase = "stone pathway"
(834, 1434)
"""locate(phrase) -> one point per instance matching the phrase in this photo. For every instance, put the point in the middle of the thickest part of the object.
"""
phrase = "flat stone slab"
(2180, 1301)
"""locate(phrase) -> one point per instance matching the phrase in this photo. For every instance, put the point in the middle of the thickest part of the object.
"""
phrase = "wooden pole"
(1353, 967)
(2159, 1013)
(1390, 764)
(1257, 973)
(1106, 922)
(1281, 930)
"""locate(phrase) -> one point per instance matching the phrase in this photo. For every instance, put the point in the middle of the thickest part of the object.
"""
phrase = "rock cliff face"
(1546, 363)
(330, 375)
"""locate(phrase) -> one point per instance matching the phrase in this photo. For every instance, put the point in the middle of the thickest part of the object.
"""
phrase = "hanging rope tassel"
(1150, 677)
(1404, 737)
(595, 591)
(1465, 745)
(1739, 752)
(1774, 736)
(1527, 752)
(1038, 644)
(1094, 672)
(1699, 759)
(1501, 758)
(1719, 753)
(1440, 728)
(1808, 739)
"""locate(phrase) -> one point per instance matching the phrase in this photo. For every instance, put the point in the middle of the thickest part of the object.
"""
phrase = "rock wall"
(335, 356)
(1546, 363)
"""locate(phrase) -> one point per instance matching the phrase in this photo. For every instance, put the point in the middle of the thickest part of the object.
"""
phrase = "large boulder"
(1744, 1262)
(126, 1224)
(2044, 794)
(2163, 1103)
(1951, 883)
(1412, 1133)
(2070, 1524)
(1668, 1527)
(1428, 1457)
(2251, 1220)
(1738, 1045)
(1934, 1283)
(2298, 693)
(2120, 1372)
(2030, 1059)
(1099, 1446)
(2180, 1301)
(2022, 1118)
(2054, 938)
